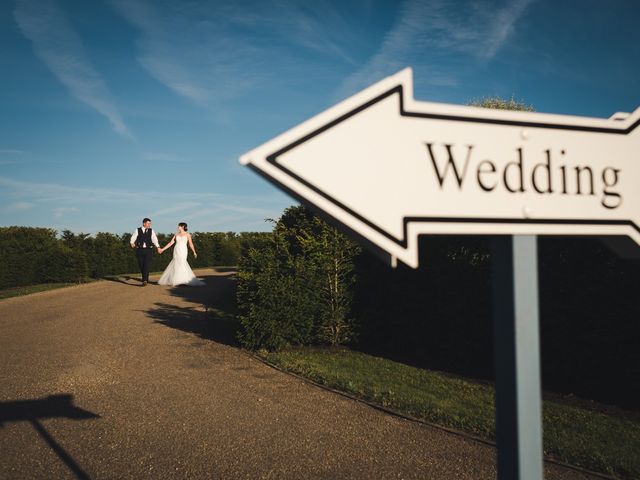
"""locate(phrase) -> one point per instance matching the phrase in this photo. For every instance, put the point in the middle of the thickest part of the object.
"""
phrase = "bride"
(178, 272)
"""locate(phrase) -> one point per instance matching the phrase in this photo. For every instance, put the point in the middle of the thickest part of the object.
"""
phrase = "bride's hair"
(183, 225)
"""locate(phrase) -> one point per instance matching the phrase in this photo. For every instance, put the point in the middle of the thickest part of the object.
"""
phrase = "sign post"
(517, 357)
(388, 169)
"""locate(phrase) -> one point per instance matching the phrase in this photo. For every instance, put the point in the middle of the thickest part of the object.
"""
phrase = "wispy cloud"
(105, 209)
(219, 208)
(438, 28)
(179, 207)
(53, 192)
(317, 26)
(43, 191)
(60, 211)
(214, 52)
(57, 44)
(18, 207)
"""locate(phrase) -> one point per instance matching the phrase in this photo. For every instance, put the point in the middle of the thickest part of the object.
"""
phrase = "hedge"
(30, 255)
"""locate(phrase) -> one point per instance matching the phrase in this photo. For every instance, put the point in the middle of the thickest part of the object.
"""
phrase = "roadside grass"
(590, 435)
(29, 289)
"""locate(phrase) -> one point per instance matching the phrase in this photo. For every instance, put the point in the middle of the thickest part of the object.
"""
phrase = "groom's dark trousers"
(144, 261)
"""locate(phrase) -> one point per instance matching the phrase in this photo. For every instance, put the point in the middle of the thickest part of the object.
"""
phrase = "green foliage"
(109, 254)
(250, 240)
(584, 435)
(61, 264)
(502, 104)
(330, 256)
(437, 316)
(217, 248)
(207, 246)
(31, 256)
(228, 250)
(277, 308)
(295, 285)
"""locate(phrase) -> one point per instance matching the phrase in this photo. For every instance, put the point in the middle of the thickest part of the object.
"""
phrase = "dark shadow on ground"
(126, 279)
(226, 269)
(53, 406)
(213, 314)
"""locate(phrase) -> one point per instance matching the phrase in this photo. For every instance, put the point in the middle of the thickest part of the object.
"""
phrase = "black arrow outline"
(402, 242)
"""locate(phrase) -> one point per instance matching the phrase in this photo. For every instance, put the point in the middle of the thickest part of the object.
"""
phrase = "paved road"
(111, 380)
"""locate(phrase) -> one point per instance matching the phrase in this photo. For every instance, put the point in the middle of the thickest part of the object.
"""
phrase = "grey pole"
(517, 357)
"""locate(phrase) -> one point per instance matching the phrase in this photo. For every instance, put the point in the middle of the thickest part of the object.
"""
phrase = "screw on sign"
(388, 168)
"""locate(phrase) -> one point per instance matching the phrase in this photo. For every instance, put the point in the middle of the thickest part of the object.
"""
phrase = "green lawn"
(26, 290)
(586, 437)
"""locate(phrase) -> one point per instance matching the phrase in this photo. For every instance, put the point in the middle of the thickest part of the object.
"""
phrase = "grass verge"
(598, 440)
(28, 289)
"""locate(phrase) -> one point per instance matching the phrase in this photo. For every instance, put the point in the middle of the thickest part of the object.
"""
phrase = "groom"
(143, 240)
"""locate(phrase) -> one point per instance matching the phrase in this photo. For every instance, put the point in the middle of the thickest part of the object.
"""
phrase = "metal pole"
(517, 357)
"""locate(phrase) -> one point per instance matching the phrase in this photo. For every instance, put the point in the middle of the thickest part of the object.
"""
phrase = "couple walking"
(178, 272)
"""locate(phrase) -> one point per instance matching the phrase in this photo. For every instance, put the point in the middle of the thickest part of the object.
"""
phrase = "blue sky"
(118, 109)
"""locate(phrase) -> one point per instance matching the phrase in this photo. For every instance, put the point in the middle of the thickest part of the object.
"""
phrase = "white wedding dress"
(178, 272)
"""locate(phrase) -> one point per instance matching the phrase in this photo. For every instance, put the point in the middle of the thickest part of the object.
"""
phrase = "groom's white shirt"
(154, 239)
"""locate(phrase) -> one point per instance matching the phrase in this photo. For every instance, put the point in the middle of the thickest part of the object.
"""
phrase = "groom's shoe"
(144, 283)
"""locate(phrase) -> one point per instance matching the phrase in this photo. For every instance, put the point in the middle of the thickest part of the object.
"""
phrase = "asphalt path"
(115, 380)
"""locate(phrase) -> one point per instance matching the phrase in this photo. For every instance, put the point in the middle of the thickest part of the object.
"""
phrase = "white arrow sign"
(391, 168)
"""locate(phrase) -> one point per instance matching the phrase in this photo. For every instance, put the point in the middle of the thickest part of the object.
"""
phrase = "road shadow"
(214, 310)
(53, 406)
(129, 280)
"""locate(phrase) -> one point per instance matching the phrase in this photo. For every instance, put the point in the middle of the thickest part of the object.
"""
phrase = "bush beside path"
(111, 380)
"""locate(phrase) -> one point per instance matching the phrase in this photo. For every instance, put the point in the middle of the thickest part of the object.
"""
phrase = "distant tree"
(502, 104)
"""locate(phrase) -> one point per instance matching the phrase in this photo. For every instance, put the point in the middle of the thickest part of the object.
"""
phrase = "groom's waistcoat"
(143, 238)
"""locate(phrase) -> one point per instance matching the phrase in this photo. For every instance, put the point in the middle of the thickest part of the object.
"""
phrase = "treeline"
(307, 284)
(31, 256)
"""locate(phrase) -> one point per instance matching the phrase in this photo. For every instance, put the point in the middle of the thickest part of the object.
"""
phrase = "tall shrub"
(294, 288)
(330, 256)
(278, 308)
